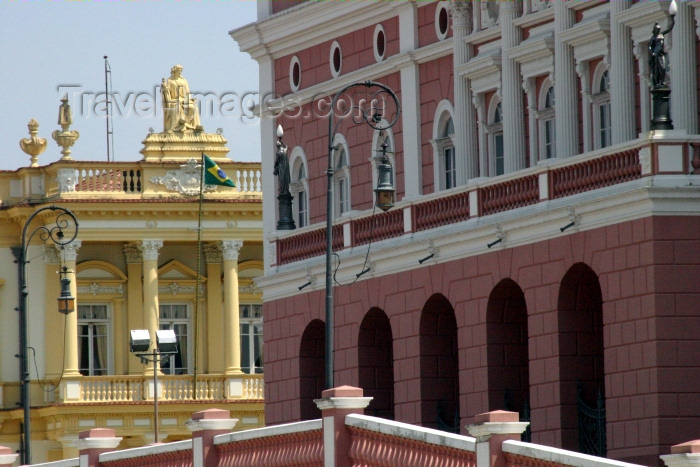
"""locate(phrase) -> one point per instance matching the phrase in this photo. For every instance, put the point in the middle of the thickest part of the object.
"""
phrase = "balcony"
(89, 180)
(551, 180)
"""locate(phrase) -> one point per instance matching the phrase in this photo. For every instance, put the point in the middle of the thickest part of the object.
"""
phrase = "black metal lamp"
(66, 302)
(385, 189)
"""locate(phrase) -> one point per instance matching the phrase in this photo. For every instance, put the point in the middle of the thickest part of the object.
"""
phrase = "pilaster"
(205, 425)
(54, 344)
(683, 65)
(92, 443)
(513, 125)
(215, 310)
(565, 84)
(622, 108)
(465, 118)
(7, 457)
(134, 305)
(684, 455)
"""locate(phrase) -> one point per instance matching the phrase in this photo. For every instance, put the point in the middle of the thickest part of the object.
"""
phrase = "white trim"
(560, 456)
(98, 443)
(442, 6)
(270, 431)
(211, 424)
(294, 61)
(297, 159)
(481, 430)
(378, 29)
(413, 432)
(152, 450)
(343, 402)
(331, 59)
(443, 112)
(339, 139)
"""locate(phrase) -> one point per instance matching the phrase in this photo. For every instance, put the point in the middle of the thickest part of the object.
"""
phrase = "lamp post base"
(286, 221)
(661, 109)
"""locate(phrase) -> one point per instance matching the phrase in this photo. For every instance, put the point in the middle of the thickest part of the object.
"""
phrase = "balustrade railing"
(97, 389)
(378, 227)
(441, 211)
(557, 179)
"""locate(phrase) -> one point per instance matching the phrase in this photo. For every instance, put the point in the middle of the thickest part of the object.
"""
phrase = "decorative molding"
(97, 289)
(70, 250)
(186, 180)
(133, 254)
(66, 179)
(230, 249)
(149, 249)
(52, 254)
(212, 252)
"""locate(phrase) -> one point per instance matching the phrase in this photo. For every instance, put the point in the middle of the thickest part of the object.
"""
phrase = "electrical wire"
(44, 387)
(364, 265)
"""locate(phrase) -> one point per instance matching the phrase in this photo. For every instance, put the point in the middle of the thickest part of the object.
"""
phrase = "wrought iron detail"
(591, 425)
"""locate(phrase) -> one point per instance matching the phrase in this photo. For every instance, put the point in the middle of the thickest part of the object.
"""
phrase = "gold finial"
(34, 145)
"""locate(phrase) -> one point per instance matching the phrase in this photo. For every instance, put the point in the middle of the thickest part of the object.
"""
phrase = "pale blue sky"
(44, 44)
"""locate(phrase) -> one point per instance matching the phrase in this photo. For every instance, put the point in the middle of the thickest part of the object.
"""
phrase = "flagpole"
(199, 275)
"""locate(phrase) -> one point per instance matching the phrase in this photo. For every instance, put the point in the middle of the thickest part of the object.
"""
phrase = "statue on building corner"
(658, 66)
(65, 137)
(658, 58)
(284, 197)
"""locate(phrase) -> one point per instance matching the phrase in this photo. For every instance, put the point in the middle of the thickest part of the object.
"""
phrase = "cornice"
(309, 24)
(638, 199)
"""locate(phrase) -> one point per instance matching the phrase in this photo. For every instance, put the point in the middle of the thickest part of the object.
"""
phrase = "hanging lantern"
(385, 189)
(66, 302)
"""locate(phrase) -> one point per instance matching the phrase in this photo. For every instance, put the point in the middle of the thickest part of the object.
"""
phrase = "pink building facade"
(541, 256)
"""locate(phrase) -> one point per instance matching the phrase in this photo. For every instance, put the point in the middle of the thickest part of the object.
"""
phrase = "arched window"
(341, 177)
(495, 132)
(601, 108)
(547, 126)
(299, 188)
(445, 159)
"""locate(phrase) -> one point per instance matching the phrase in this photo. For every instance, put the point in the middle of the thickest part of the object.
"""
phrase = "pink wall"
(647, 271)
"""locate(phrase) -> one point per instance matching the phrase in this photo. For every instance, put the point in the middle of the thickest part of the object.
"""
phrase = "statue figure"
(65, 137)
(658, 58)
(65, 116)
(180, 112)
(282, 168)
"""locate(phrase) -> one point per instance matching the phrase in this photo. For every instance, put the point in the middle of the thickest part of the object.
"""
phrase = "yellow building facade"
(150, 253)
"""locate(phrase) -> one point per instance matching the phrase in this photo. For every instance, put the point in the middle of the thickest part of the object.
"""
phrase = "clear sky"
(50, 48)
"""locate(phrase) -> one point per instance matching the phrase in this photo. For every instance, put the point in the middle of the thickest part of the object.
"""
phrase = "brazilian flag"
(213, 175)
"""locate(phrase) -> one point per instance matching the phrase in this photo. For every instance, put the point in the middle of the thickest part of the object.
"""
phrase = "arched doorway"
(311, 369)
(507, 349)
(376, 363)
(439, 365)
(582, 376)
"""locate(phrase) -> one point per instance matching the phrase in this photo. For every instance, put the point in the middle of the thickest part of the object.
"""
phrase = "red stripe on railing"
(442, 211)
(595, 173)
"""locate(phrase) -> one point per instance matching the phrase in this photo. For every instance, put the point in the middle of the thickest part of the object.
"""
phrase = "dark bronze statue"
(658, 58)
(282, 168)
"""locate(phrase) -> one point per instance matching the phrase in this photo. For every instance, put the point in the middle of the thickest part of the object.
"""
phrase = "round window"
(295, 74)
(379, 43)
(442, 20)
(336, 59)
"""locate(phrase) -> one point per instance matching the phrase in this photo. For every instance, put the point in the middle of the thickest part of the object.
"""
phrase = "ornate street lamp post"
(373, 113)
(62, 232)
(658, 64)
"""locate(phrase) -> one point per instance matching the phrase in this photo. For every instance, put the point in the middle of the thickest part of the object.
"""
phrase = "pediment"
(176, 271)
(99, 270)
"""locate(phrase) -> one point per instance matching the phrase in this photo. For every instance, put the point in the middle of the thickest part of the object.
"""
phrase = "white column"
(478, 103)
(149, 250)
(267, 156)
(70, 253)
(465, 122)
(640, 53)
(410, 96)
(583, 71)
(529, 89)
(682, 62)
(513, 125)
(232, 327)
(565, 85)
(622, 105)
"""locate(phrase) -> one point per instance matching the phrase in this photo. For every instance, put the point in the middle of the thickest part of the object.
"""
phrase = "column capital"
(133, 254)
(462, 14)
(52, 255)
(71, 250)
(230, 249)
(150, 248)
(212, 252)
